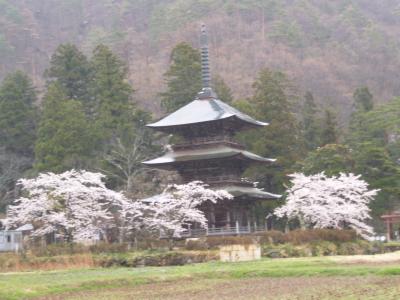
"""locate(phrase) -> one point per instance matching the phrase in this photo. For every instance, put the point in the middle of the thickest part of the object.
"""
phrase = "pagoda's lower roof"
(214, 152)
(250, 192)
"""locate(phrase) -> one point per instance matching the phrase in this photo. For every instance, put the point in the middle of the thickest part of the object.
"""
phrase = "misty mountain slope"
(328, 47)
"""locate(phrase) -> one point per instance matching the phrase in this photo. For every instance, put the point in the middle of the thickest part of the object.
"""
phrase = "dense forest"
(78, 88)
(328, 47)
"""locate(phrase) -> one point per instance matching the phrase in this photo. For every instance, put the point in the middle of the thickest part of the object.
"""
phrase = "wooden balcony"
(208, 141)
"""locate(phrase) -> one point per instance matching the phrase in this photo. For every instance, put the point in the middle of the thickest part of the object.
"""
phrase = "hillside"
(328, 47)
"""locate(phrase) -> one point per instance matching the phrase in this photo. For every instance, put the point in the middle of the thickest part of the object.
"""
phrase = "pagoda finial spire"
(206, 91)
(205, 64)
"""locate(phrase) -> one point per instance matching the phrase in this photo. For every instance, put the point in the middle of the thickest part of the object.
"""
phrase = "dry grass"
(18, 263)
(392, 257)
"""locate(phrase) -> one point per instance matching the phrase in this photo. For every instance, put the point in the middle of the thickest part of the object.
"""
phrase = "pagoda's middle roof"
(220, 151)
(204, 110)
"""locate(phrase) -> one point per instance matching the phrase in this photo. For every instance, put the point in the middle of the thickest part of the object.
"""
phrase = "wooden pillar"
(248, 220)
(212, 215)
(228, 218)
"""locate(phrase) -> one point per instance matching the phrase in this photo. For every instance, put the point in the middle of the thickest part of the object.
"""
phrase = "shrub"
(271, 237)
(104, 247)
(156, 259)
(199, 244)
(215, 242)
(323, 248)
(58, 249)
(391, 246)
(286, 250)
(331, 235)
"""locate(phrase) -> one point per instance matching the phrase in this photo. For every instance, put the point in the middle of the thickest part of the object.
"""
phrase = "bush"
(215, 242)
(58, 249)
(298, 237)
(104, 247)
(286, 250)
(391, 246)
(199, 244)
(271, 237)
(157, 259)
(324, 248)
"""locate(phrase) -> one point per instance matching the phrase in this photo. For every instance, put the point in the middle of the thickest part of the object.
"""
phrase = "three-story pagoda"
(210, 154)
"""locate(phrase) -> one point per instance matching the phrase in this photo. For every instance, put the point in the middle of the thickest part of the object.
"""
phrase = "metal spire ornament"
(206, 91)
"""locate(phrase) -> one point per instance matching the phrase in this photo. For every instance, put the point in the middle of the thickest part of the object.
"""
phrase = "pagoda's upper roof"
(218, 151)
(204, 110)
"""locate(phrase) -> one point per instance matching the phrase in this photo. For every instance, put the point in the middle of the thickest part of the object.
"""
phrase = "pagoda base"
(227, 218)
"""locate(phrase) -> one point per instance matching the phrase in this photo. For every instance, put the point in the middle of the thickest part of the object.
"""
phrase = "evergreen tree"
(65, 138)
(17, 114)
(358, 127)
(70, 68)
(271, 102)
(222, 90)
(183, 77)
(381, 172)
(310, 123)
(329, 133)
(363, 99)
(112, 95)
(332, 159)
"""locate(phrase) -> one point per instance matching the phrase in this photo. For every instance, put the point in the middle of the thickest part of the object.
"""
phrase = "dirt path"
(303, 288)
(378, 258)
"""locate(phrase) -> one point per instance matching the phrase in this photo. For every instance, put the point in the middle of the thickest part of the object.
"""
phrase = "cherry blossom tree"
(329, 202)
(177, 208)
(74, 205)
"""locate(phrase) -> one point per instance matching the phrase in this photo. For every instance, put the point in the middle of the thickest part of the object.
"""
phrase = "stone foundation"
(234, 253)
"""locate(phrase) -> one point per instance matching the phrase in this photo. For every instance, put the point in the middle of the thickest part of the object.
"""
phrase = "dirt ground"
(300, 288)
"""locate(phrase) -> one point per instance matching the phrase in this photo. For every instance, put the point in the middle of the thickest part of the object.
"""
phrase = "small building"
(208, 152)
(392, 221)
(11, 240)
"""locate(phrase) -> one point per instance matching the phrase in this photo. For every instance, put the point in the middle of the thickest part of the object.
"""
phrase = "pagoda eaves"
(172, 158)
(201, 111)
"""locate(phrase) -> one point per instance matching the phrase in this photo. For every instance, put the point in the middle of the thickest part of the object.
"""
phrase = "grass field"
(299, 278)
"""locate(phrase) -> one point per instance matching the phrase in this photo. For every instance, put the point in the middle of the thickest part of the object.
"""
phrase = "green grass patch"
(34, 284)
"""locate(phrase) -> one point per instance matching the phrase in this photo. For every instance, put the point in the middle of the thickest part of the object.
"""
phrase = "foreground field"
(300, 288)
(302, 278)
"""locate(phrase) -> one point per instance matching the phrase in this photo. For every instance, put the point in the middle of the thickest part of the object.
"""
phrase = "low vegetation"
(14, 285)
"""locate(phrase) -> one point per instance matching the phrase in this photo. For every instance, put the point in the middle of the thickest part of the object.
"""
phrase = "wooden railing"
(221, 231)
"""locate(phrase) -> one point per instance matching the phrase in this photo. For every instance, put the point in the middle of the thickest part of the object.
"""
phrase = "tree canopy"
(183, 77)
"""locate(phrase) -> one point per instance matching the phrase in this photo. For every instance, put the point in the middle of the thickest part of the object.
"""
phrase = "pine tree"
(363, 103)
(329, 133)
(332, 159)
(381, 172)
(222, 90)
(310, 123)
(363, 99)
(271, 103)
(183, 77)
(112, 95)
(70, 68)
(65, 138)
(18, 114)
